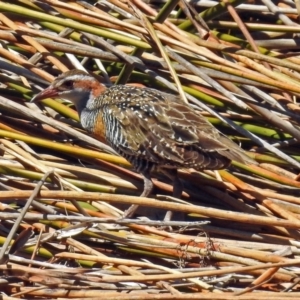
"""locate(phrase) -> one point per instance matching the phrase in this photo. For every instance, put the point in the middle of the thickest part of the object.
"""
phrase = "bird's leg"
(177, 185)
(177, 189)
(148, 187)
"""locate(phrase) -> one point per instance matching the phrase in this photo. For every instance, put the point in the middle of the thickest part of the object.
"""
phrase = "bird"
(153, 130)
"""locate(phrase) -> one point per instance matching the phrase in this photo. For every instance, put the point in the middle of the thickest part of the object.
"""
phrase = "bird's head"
(76, 86)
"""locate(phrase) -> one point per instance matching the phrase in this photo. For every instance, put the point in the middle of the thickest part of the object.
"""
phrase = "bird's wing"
(144, 137)
(209, 139)
(173, 133)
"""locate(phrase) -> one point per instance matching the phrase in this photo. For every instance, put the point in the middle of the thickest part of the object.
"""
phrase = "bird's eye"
(68, 84)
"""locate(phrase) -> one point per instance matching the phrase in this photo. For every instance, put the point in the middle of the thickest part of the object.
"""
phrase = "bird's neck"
(89, 109)
(86, 94)
(81, 99)
(88, 118)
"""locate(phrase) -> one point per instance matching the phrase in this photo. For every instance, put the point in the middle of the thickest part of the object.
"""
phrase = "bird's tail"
(234, 152)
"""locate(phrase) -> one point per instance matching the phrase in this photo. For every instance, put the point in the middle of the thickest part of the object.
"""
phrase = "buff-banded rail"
(150, 129)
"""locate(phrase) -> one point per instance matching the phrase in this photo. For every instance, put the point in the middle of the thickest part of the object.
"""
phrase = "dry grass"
(62, 192)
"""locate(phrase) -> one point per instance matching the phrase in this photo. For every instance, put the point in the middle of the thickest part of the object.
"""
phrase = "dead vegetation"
(63, 193)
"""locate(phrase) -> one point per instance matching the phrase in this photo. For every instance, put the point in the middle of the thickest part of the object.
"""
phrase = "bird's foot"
(128, 213)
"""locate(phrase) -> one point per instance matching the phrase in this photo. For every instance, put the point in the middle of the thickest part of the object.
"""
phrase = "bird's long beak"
(49, 92)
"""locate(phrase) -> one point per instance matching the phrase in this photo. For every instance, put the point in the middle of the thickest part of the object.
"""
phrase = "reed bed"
(63, 193)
